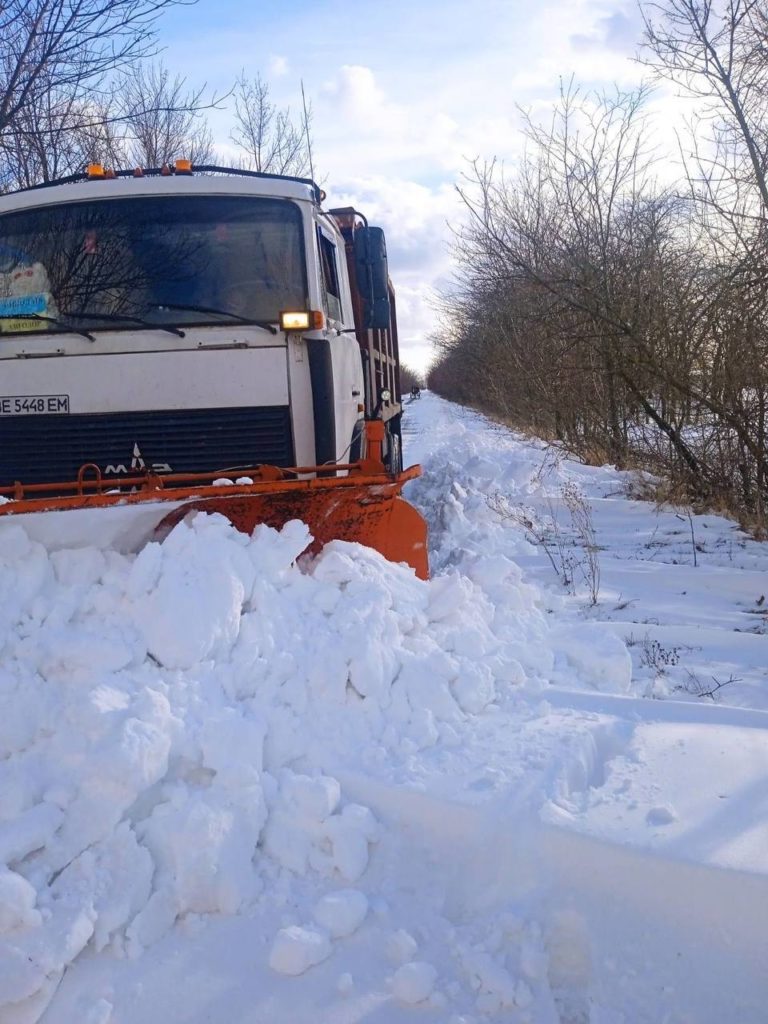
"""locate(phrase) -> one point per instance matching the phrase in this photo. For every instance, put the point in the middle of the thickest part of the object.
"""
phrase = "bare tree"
(268, 136)
(41, 142)
(409, 378)
(72, 81)
(163, 120)
(719, 53)
(577, 237)
(69, 46)
(627, 320)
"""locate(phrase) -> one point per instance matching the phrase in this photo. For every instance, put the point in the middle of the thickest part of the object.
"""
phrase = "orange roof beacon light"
(302, 320)
(183, 167)
(95, 171)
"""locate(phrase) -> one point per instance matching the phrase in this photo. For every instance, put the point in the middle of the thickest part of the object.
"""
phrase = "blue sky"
(404, 92)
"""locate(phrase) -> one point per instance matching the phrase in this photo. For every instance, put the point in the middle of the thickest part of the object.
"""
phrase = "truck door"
(345, 351)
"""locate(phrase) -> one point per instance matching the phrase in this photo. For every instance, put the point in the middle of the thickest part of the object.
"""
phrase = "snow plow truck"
(184, 339)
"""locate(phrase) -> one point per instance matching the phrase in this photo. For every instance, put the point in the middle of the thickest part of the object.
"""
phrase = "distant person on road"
(415, 392)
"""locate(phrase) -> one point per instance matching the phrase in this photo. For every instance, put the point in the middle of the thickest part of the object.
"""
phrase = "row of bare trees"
(625, 315)
(79, 83)
(409, 378)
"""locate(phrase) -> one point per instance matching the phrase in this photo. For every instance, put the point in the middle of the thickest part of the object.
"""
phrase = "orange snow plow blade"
(365, 506)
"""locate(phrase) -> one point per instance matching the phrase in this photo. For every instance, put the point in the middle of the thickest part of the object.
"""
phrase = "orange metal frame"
(364, 506)
(369, 470)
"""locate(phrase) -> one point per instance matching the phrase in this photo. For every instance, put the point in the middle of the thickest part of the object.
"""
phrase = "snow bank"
(261, 766)
(167, 721)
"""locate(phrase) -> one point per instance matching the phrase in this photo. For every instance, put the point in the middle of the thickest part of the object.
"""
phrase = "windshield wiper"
(116, 317)
(217, 312)
(66, 328)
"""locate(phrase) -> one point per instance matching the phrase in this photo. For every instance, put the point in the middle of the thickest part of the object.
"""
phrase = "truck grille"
(46, 449)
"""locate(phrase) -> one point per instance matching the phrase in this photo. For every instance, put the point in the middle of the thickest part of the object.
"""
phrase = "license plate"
(33, 405)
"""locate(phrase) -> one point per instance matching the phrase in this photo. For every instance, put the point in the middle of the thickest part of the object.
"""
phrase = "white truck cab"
(140, 327)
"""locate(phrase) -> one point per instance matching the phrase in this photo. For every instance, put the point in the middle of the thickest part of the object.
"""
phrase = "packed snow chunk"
(233, 747)
(99, 1013)
(77, 655)
(497, 570)
(422, 730)
(30, 1011)
(80, 567)
(274, 552)
(372, 669)
(203, 843)
(114, 877)
(494, 984)
(474, 689)
(425, 677)
(446, 595)
(25, 570)
(297, 949)
(193, 612)
(414, 982)
(401, 946)
(348, 564)
(26, 709)
(345, 984)
(20, 979)
(664, 815)
(349, 849)
(302, 832)
(17, 903)
(350, 834)
(32, 829)
(341, 913)
(125, 757)
(594, 656)
(312, 798)
(145, 571)
(363, 820)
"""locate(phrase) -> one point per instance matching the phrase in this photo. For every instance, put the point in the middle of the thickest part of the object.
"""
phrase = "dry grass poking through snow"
(573, 551)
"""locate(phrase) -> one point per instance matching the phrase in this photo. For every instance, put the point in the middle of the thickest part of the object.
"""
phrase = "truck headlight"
(304, 320)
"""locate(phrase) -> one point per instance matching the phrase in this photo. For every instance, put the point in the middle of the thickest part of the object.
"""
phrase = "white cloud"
(404, 95)
(277, 66)
(355, 94)
(355, 116)
(416, 221)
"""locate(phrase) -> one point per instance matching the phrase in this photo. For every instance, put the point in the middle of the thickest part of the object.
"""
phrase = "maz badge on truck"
(30, 405)
(137, 463)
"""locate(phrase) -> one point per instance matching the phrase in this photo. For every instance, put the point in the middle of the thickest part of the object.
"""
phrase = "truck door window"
(330, 276)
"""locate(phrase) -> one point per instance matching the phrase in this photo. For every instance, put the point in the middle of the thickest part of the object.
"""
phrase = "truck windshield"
(163, 259)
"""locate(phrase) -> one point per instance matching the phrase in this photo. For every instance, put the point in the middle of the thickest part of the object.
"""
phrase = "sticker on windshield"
(10, 326)
(21, 305)
(31, 405)
(25, 298)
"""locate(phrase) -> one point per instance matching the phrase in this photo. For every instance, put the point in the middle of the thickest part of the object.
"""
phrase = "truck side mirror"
(373, 276)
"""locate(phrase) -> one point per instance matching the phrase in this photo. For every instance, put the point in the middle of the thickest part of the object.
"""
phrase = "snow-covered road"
(238, 789)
